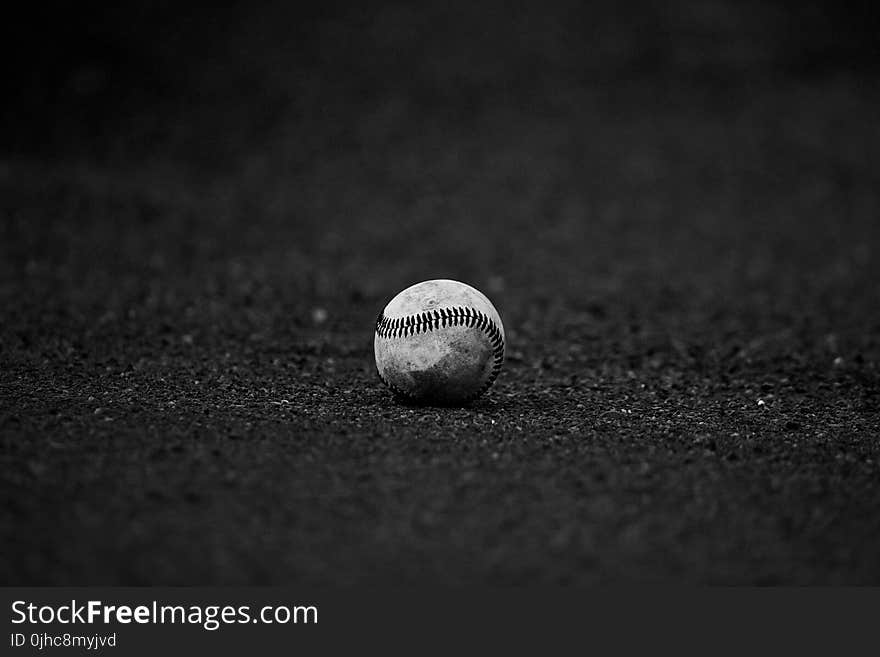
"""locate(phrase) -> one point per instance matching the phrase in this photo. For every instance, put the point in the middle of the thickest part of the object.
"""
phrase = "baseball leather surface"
(439, 341)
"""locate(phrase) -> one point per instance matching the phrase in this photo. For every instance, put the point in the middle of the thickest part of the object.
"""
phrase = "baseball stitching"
(402, 327)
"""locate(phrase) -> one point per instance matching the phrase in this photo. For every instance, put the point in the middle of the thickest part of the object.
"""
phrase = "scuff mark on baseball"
(439, 342)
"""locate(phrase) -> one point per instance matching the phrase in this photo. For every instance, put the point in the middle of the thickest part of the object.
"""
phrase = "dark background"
(674, 208)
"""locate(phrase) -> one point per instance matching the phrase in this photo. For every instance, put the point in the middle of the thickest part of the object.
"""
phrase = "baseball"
(440, 342)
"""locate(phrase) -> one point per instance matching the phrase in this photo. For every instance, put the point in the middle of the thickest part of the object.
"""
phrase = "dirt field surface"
(676, 212)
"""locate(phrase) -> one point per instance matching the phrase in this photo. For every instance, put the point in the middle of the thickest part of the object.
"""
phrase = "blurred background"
(674, 206)
(565, 139)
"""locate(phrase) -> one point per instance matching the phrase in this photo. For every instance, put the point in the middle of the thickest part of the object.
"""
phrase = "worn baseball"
(440, 342)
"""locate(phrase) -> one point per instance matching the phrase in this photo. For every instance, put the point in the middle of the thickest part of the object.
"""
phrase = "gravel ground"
(675, 212)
